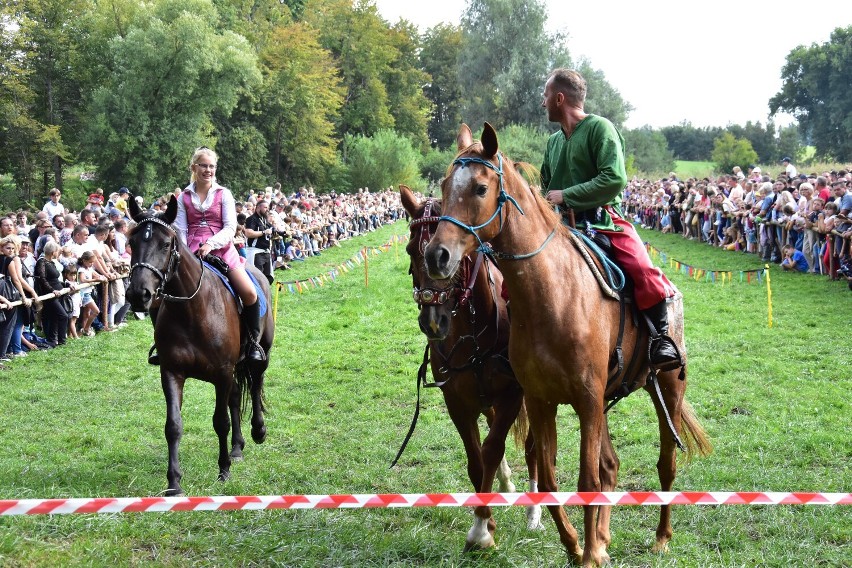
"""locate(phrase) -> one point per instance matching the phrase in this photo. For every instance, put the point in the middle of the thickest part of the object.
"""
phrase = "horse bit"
(461, 293)
(171, 268)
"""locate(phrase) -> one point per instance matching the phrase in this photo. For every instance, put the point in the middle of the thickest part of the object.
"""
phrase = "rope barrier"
(106, 505)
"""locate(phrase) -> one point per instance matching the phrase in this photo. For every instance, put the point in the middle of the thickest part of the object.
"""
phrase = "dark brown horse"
(197, 334)
(468, 332)
(563, 331)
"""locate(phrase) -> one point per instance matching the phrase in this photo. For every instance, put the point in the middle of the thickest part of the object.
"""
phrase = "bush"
(386, 159)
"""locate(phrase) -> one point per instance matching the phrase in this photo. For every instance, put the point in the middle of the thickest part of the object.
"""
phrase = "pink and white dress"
(214, 221)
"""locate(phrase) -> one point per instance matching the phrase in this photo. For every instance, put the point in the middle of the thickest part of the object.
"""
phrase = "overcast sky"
(710, 63)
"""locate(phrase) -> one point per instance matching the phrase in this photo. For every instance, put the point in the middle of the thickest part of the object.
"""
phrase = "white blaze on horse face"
(462, 178)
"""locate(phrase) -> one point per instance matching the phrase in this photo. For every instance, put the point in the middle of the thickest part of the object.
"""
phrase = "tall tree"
(168, 75)
(506, 56)
(816, 91)
(47, 37)
(357, 36)
(302, 96)
(649, 150)
(405, 83)
(439, 58)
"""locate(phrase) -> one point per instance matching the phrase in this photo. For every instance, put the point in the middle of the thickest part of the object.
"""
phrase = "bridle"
(171, 266)
(468, 271)
(502, 198)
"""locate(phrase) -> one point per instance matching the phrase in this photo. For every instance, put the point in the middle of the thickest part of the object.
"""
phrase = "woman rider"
(206, 221)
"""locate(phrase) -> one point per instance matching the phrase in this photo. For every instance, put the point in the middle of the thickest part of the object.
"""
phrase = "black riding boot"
(251, 315)
(664, 353)
(153, 356)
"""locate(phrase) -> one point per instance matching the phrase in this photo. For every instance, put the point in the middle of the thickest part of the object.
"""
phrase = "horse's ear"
(408, 200)
(171, 211)
(133, 208)
(465, 137)
(489, 141)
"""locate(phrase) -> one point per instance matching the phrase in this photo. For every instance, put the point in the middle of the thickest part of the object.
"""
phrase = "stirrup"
(153, 356)
(663, 354)
(254, 350)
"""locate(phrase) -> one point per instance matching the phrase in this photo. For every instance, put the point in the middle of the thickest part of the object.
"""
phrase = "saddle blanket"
(261, 297)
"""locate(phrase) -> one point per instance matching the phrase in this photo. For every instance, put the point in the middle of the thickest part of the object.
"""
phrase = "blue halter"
(502, 198)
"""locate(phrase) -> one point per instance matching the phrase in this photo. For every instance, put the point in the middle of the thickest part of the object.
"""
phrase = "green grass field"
(87, 421)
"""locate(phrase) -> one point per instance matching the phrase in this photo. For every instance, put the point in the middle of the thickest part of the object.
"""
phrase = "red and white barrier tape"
(395, 500)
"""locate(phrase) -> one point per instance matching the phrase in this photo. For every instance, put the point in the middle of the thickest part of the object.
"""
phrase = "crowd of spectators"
(78, 262)
(802, 222)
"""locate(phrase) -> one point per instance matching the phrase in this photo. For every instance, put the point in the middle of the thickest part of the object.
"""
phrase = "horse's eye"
(481, 190)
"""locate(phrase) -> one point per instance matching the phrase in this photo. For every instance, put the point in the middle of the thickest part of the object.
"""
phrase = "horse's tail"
(520, 427)
(696, 439)
(243, 377)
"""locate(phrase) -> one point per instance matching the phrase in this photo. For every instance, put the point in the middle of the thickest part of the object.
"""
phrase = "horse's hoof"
(236, 456)
(660, 547)
(174, 492)
(479, 546)
(534, 519)
(224, 475)
(258, 434)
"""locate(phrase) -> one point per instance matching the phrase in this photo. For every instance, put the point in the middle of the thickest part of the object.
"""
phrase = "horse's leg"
(673, 391)
(257, 369)
(222, 424)
(609, 477)
(172, 384)
(533, 511)
(591, 415)
(504, 412)
(464, 417)
(542, 416)
(238, 442)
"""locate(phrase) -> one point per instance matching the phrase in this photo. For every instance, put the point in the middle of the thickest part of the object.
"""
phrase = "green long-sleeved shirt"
(588, 167)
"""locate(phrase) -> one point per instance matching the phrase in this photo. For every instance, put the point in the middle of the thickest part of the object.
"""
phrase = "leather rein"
(461, 292)
(171, 266)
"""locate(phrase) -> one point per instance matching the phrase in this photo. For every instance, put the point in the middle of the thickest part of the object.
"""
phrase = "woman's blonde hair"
(14, 239)
(202, 151)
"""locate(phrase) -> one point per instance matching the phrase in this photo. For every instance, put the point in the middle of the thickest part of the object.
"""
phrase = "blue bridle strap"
(502, 198)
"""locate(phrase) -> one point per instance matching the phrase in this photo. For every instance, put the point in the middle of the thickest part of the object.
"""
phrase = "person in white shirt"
(789, 169)
(53, 207)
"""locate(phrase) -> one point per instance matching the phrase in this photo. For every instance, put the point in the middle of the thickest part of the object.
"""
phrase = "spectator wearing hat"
(53, 207)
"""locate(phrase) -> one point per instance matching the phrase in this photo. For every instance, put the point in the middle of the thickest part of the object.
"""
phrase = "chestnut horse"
(563, 331)
(468, 333)
(197, 334)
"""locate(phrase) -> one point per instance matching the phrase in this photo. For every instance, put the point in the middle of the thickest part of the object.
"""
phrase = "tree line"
(321, 92)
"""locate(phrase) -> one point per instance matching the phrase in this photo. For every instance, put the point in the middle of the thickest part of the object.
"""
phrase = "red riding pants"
(651, 285)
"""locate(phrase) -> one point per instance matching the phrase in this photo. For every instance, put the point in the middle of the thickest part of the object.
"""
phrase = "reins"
(463, 296)
(172, 266)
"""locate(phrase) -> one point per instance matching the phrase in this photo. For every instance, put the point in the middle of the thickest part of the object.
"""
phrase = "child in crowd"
(88, 308)
(66, 257)
(69, 273)
(794, 259)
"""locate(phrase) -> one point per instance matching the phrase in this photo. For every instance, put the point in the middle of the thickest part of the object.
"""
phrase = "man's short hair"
(570, 83)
